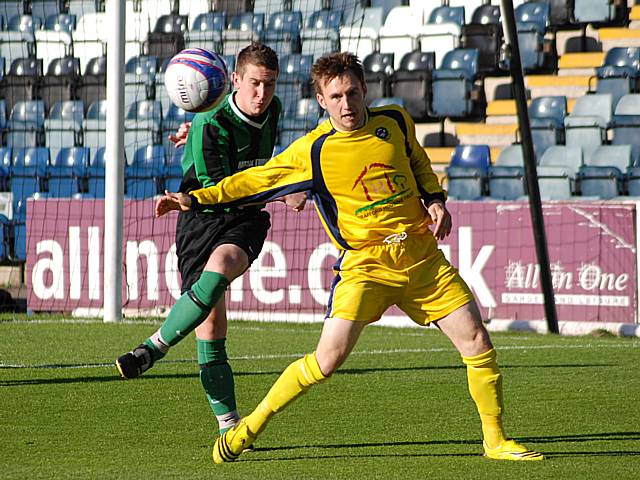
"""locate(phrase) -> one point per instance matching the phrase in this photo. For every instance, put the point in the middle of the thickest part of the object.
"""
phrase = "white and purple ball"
(196, 79)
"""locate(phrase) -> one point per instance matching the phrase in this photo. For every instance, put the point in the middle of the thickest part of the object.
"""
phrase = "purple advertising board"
(592, 248)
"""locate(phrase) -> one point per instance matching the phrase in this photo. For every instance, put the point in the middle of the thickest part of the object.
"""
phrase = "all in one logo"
(382, 133)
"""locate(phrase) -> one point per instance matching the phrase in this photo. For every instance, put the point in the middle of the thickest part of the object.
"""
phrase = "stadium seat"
(95, 179)
(360, 32)
(294, 81)
(438, 34)
(61, 81)
(173, 170)
(143, 177)
(63, 126)
(455, 93)
(5, 238)
(506, 182)
(3, 116)
(532, 19)
(283, 32)
(412, 83)
(476, 156)
(21, 82)
(90, 37)
(139, 79)
(307, 7)
(321, 33)
(206, 31)
(626, 122)
(46, 8)
(25, 127)
(66, 171)
(60, 22)
(142, 126)
(241, 30)
(93, 84)
(18, 41)
(381, 102)
(465, 183)
(10, 9)
(51, 44)
(5, 169)
(167, 37)
(400, 32)
(620, 72)
(94, 126)
(547, 116)
(82, 7)
(485, 34)
(602, 175)
(593, 11)
(558, 169)
(588, 122)
(633, 181)
(378, 68)
(174, 117)
(28, 176)
(298, 120)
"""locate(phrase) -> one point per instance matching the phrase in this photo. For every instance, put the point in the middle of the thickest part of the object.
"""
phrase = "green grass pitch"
(399, 408)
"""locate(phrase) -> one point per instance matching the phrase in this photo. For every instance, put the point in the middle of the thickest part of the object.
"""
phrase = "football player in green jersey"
(214, 248)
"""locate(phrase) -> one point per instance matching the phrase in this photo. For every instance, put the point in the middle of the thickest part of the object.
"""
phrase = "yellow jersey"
(366, 184)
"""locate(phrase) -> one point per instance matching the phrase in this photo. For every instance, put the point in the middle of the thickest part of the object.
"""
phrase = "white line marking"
(392, 351)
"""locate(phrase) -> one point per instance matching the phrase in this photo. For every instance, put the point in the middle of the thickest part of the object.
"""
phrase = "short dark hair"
(258, 54)
(333, 65)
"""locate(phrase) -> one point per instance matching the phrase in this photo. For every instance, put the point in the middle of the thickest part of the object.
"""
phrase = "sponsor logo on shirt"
(244, 164)
(391, 186)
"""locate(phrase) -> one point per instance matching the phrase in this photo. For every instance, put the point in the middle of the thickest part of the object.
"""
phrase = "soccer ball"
(196, 79)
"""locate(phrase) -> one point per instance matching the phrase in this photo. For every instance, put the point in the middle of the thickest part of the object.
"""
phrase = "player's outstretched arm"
(172, 201)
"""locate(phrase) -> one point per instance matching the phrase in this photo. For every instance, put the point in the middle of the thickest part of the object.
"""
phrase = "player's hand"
(180, 137)
(441, 219)
(172, 201)
(296, 201)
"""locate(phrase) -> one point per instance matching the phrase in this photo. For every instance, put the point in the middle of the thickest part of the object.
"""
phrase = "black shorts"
(199, 233)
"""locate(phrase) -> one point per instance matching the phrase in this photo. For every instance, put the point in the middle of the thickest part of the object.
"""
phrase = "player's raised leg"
(336, 342)
(465, 330)
(225, 263)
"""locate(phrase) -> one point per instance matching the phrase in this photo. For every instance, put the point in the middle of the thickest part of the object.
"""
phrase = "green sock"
(193, 307)
(216, 377)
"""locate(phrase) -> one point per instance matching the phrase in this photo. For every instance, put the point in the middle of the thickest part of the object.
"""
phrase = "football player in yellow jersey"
(377, 197)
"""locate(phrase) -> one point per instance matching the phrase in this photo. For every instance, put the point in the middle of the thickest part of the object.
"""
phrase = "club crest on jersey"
(382, 133)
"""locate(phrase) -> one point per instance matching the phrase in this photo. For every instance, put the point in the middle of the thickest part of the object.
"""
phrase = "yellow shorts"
(412, 274)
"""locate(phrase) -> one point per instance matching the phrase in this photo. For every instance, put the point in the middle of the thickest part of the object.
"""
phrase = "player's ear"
(235, 80)
(321, 101)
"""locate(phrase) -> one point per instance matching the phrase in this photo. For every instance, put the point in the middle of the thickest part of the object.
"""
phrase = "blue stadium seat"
(547, 116)
(143, 178)
(454, 91)
(283, 32)
(294, 80)
(142, 126)
(602, 175)
(558, 169)
(466, 183)
(140, 79)
(588, 122)
(25, 127)
(94, 126)
(321, 33)
(5, 238)
(66, 172)
(592, 11)
(506, 182)
(46, 8)
(5, 168)
(28, 176)
(172, 120)
(476, 156)
(626, 122)
(619, 73)
(241, 30)
(381, 102)
(60, 22)
(95, 183)
(633, 181)
(206, 31)
(298, 120)
(532, 19)
(511, 156)
(63, 126)
(173, 171)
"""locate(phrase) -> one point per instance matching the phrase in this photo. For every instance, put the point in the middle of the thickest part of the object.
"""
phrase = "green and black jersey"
(224, 141)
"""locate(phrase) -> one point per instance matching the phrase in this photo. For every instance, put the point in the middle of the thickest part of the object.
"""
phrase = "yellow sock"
(296, 379)
(485, 386)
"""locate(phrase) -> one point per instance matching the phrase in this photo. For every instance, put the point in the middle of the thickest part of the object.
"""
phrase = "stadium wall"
(593, 247)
